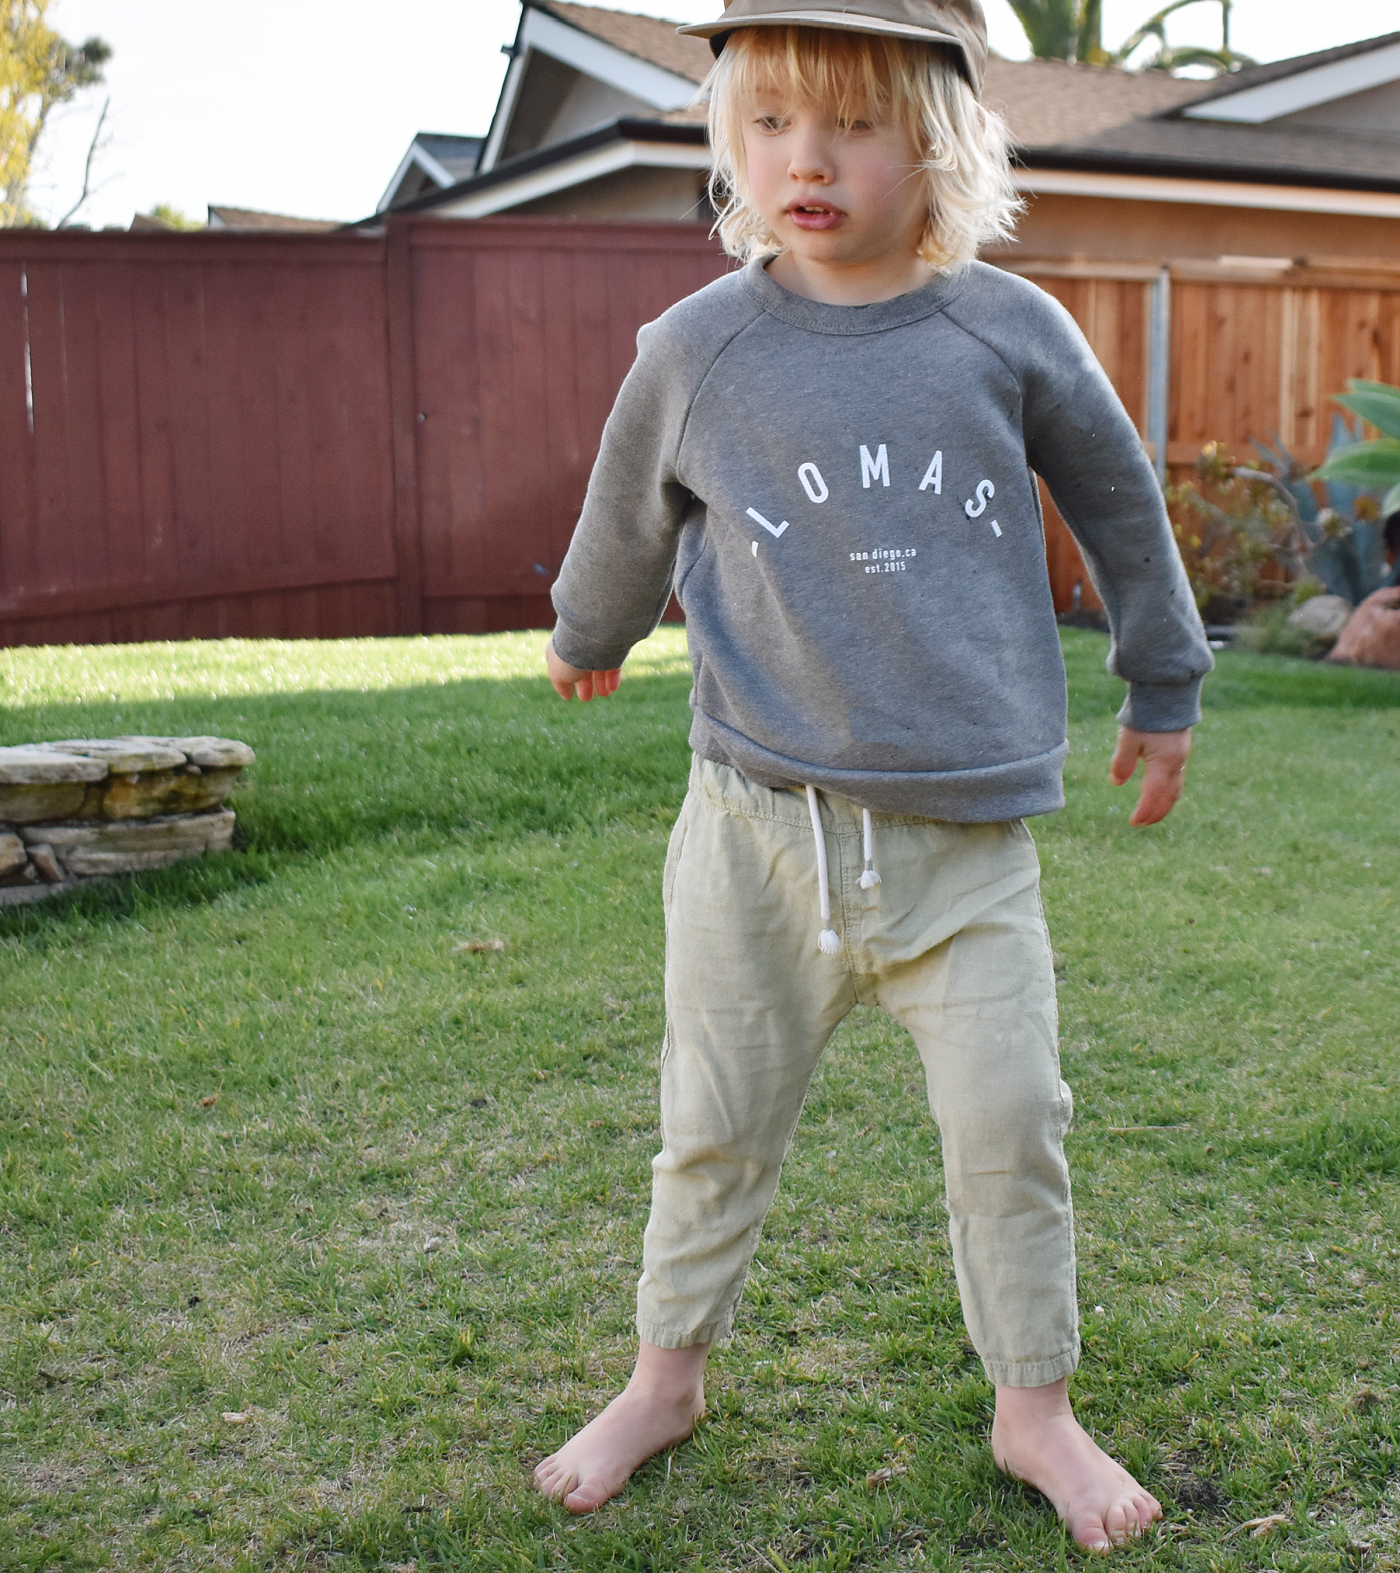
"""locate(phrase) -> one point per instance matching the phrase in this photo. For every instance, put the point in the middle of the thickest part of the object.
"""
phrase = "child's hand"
(572, 682)
(1164, 758)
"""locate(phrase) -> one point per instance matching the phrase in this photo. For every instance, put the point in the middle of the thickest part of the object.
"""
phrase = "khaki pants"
(953, 945)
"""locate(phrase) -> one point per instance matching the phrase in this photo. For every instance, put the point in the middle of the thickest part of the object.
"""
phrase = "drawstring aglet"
(869, 879)
(828, 941)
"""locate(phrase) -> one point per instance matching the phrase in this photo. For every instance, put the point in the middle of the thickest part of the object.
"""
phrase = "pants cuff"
(669, 1338)
(1031, 1373)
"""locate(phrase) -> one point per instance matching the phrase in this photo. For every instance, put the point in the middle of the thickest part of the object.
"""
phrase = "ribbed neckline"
(816, 316)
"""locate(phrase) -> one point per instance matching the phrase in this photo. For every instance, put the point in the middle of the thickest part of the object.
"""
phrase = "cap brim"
(845, 22)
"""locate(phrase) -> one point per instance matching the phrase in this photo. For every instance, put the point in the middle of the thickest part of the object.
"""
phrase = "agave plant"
(1374, 465)
(1342, 542)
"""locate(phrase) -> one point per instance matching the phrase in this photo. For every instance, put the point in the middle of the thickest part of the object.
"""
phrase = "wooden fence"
(309, 436)
(1245, 349)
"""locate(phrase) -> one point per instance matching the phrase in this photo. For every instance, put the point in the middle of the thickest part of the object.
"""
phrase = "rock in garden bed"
(87, 808)
(1372, 636)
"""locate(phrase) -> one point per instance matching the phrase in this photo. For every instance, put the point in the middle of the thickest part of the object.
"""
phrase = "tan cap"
(956, 22)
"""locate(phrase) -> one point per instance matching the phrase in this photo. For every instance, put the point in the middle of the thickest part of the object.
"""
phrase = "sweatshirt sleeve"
(1080, 440)
(615, 582)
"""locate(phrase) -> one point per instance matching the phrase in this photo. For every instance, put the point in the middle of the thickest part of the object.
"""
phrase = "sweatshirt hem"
(1018, 789)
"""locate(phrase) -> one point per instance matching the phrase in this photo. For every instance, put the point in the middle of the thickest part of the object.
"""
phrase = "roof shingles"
(646, 37)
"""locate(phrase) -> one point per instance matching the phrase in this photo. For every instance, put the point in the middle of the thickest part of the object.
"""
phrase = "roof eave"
(1109, 163)
(627, 130)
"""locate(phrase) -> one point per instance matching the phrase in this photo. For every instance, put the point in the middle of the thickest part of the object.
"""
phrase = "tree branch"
(87, 167)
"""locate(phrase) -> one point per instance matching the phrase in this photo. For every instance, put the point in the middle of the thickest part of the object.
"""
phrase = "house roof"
(457, 155)
(646, 37)
(1072, 117)
(434, 161)
(1276, 70)
(1047, 103)
(250, 218)
(1220, 150)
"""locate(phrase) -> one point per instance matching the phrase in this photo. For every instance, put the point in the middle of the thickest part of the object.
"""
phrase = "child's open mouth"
(814, 215)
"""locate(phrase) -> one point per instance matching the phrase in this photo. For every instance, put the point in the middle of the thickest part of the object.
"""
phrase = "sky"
(306, 107)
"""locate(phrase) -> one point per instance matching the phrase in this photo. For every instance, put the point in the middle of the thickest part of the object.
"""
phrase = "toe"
(583, 1500)
(553, 1479)
(1121, 1522)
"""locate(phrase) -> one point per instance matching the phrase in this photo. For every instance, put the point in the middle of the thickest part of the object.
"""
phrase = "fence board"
(524, 330)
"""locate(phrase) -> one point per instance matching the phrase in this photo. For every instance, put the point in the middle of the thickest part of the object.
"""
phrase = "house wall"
(587, 105)
(636, 193)
(1375, 110)
(1111, 228)
(545, 94)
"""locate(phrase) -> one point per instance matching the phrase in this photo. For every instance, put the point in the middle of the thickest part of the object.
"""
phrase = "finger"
(584, 687)
(1162, 781)
(1125, 757)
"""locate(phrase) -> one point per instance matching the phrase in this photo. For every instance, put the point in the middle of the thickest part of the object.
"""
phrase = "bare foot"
(657, 1409)
(1036, 1438)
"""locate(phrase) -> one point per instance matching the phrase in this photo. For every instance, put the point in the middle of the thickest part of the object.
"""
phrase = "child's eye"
(857, 125)
(769, 122)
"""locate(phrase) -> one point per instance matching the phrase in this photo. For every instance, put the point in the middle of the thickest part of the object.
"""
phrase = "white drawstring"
(869, 877)
(828, 941)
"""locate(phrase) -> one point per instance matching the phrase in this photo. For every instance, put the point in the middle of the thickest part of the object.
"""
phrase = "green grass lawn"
(317, 1228)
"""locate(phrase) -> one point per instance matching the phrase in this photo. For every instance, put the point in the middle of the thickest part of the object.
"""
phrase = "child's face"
(839, 194)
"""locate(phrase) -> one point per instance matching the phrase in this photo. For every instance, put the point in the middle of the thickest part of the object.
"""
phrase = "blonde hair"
(963, 146)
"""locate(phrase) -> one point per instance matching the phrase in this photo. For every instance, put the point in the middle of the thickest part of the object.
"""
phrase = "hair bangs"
(812, 65)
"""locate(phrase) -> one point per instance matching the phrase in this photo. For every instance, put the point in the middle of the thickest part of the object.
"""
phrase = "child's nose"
(810, 159)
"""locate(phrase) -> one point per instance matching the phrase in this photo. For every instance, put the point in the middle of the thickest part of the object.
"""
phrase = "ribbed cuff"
(1160, 707)
(585, 654)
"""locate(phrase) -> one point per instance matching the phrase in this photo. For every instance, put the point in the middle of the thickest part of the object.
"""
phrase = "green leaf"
(1380, 407)
(1370, 464)
(1391, 502)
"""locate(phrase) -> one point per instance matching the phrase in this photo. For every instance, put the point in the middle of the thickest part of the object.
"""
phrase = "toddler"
(831, 458)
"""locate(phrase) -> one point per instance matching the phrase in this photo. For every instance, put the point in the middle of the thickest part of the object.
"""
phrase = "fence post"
(403, 408)
(1159, 371)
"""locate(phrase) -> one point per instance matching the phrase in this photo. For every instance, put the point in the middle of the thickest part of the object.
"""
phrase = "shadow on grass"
(480, 758)
(141, 897)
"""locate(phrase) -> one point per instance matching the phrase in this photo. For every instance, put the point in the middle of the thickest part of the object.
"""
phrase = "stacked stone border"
(88, 808)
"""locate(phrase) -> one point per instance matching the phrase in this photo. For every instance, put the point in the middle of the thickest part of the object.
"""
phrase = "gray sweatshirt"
(843, 499)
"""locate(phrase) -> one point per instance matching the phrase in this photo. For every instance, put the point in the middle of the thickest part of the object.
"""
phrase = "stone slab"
(129, 846)
(41, 857)
(26, 805)
(12, 852)
(122, 755)
(22, 895)
(157, 792)
(209, 753)
(33, 764)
